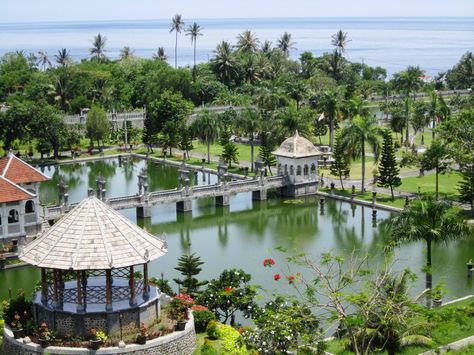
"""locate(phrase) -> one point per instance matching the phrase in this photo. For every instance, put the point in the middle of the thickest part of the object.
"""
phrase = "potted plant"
(437, 294)
(143, 335)
(98, 337)
(44, 336)
(179, 307)
(17, 327)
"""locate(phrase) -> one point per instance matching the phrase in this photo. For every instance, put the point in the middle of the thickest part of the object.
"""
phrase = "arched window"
(286, 169)
(279, 172)
(298, 170)
(292, 171)
(306, 170)
(13, 216)
(313, 169)
(29, 206)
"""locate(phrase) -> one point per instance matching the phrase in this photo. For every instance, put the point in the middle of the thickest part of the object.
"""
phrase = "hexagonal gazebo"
(88, 263)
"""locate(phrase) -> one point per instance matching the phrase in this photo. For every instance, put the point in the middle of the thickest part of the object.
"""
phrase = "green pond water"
(246, 232)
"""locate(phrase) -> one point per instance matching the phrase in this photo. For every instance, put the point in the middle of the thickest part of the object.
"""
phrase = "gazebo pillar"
(44, 286)
(108, 290)
(79, 301)
(133, 299)
(55, 289)
(146, 288)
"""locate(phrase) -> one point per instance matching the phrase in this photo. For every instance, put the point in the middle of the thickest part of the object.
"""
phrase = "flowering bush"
(179, 306)
(228, 289)
(43, 331)
(268, 262)
(186, 300)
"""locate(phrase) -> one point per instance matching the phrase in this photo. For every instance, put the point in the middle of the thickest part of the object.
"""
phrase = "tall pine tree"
(265, 150)
(341, 165)
(388, 167)
(189, 266)
(466, 186)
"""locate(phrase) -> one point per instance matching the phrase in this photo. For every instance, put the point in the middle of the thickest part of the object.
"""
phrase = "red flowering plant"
(179, 306)
(198, 307)
(269, 262)
(276, 277)
(43, 332)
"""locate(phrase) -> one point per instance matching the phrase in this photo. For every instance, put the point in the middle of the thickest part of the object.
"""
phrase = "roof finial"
(296, 134)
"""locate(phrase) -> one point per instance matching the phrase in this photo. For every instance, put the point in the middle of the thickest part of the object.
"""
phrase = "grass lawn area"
(447, 184)
(442, 332)
(367, 196)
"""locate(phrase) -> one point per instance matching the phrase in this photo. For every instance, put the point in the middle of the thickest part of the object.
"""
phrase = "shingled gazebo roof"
(92, 236)
(297, 147)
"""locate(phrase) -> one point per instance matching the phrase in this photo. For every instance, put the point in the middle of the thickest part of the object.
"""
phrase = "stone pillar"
(44, 286)
(108, 290)
(374, 198)
(55, 289)
(259, 195)
(223, 200)
(144, 211)
(79, 300)
(185, 205)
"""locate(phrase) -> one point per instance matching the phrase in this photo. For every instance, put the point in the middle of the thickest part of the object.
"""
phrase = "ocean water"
(435, 44)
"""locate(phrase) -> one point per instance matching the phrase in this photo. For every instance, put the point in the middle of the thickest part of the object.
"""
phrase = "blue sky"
(67, 10)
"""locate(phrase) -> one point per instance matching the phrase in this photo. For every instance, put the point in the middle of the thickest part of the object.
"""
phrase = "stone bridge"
(181, 196)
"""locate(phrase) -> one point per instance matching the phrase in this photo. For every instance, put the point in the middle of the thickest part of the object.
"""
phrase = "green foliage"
(231, 340)
(190, 266)
(18, 310)
(388, 167)
(230, 293)
(207, 348)
(202, 319)
(212, 330)
(435, 158)
(341, 166)
(462, 74)
(466, 186)
(163, 285)
(97, 124)
(267, 145)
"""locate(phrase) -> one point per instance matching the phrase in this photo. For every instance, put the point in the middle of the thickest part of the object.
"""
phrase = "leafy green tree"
(186, 139)
(435, 157)
(206, 130)
(177, 25)
(247, 42)
(249, 121)
(329, 103)
(97, 125)
(283, 325)
(341, 166)
(15, 121)
(230, 152)
(285, 43)
(190, 266)
(224, 64)
(267, 145)
(461, 76)
(431, 221)
(361, 130)
(466, 186)
(48, 128)
(320, 129)
(229, 293)
(160, 54)
(63, 58)
(388, 167)
(169, 107)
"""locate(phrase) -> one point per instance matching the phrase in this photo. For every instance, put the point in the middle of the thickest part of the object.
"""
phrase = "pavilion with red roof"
(19, 201)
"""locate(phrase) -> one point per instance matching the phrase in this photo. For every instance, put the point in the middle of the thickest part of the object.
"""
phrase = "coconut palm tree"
(247, 42)
(340, 40)
(98, 48)
(177, 25)
(194, 31)
(160, 54)
(329, 103)
(206, 130)
(224, 63)
(249, 122)
(266, 47)
(428, 220)
(43, 60)
(437, 109)
(63, 58)
(126, 53)
(358, 132)
(285, 43)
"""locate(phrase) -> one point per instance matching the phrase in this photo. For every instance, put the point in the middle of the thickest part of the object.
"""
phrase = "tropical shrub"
(207, 348)
(212, 330)
(202, 318)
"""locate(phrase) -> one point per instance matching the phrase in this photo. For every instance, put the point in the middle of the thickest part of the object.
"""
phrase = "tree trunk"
(208, 151)
(437, 173)
(363, 166)
(340, 179)
(433, 134)
(331, 134)
(251, 153)
(176, 51)
(429, 276)
(391, 190)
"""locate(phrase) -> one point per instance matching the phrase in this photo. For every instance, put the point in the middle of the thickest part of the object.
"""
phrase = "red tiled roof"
(19, 172)
(9, 192)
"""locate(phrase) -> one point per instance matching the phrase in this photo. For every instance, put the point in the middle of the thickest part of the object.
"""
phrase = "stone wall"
(176, 343)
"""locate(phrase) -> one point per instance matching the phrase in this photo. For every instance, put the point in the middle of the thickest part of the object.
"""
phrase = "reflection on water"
(246, 232)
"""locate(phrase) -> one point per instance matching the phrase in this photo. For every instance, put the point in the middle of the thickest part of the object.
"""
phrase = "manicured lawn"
(200, 337)
(442, 331)
(367, 196)
(427, 184)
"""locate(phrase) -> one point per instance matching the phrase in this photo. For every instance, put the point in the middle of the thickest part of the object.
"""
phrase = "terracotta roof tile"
(19, 172)
(9, 192)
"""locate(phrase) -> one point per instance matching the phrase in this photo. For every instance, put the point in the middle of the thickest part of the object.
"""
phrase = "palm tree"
(285, 43)
(249, 121)
(358, 132)
(437, 109)
(266, 46)
(340, 41)
(126, 53)
(160, 54)
(63, 58)
(194, 31)
(407, 82)
(177, 25)
(43, 60)
(224, 63)
(427, 220)
(247, 42)
(98, 48)
(330, 105)
(205, 129)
